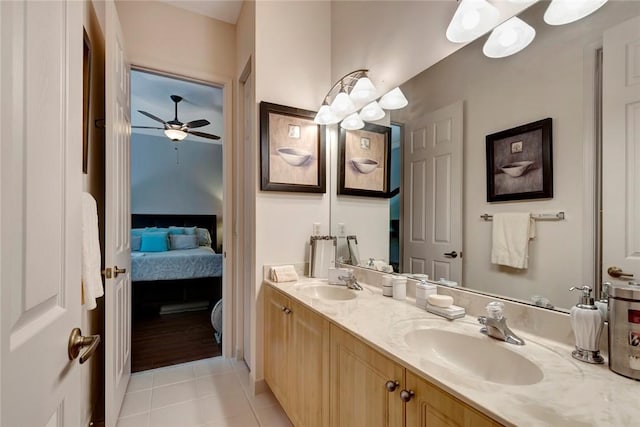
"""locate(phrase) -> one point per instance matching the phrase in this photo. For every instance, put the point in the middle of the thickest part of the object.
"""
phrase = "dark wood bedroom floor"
(168, 339)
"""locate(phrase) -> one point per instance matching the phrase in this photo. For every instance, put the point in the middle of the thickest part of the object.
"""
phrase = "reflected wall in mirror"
(555, 76)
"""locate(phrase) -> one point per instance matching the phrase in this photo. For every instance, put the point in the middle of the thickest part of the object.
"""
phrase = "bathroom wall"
(92, 323)
(293, 68)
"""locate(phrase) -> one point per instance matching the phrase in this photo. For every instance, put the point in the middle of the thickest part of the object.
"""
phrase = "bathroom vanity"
(338, 357)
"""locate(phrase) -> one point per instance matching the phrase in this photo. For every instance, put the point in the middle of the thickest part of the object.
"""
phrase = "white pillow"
(183, 241)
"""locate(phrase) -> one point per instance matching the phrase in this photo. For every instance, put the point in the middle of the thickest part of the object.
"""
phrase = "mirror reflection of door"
(433, 194)
(621, 154)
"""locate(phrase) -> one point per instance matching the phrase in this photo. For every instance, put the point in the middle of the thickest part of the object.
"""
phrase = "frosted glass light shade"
(175, 134)
(342, 105)
(326, 116)
(508, 38)
(352, 122)
(472, 19)
(393, 100)
(363, 90)
(562, 12)
(371, 112)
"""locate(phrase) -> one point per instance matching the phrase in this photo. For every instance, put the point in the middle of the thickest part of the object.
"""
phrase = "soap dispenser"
(586, 322)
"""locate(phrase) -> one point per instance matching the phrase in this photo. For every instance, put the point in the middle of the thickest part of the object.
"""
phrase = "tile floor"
(206, 393)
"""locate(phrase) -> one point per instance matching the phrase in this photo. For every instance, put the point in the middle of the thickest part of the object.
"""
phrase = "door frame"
(228, 268)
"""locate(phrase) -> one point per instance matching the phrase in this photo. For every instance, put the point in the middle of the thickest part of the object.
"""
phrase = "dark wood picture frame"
(359, 178)
(519, 163)
(86, 100)
(287, 164)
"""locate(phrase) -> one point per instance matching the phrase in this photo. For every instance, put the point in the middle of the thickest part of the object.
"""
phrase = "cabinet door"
(432, 407)
(276, 343)
(309, 365)
(358, 377)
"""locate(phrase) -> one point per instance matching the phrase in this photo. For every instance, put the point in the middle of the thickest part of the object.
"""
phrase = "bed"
(176, 276)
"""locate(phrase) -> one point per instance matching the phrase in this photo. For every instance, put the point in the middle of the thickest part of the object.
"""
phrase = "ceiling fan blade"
(151, 116)
(197, 123)
(145, 127)
(202, 134)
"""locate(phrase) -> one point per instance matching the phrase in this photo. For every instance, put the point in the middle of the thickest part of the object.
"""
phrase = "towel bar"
(538, 217)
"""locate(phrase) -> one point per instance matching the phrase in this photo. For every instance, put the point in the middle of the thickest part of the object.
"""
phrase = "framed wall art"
(519, 163)
(292, 150)
(364, 161)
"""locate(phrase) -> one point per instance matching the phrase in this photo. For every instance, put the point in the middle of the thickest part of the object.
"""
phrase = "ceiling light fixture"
(562, 12)
(472, 19)
(352, 100)
(508, 38)
(175, 135)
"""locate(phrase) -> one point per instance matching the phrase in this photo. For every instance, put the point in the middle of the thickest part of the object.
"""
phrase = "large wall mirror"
(469, 96)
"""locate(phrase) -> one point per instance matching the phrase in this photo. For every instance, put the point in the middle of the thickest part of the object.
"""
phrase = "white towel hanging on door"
(91, 257)
(511, 234)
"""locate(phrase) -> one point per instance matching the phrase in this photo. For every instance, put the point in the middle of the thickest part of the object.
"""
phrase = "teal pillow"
(176, 230)
(190, 230)
(154, 241)
(137, 231)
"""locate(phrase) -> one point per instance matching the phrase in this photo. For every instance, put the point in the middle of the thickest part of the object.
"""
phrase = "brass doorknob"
(117, 271)
(77, 341)
(617, 272)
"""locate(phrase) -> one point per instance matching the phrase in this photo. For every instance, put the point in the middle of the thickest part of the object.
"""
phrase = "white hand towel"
(511, 234)
(284, 273)
(91, 276)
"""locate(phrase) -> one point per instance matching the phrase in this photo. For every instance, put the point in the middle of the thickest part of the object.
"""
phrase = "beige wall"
(293, 68)
(166, 38)
(92, 372)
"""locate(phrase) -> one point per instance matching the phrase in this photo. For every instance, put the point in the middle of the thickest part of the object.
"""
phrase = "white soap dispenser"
(586, 322)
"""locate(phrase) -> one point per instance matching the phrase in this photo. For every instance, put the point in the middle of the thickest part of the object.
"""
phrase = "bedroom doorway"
(177, 211)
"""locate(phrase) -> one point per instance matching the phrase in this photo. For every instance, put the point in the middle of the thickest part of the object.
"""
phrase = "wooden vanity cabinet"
(296, 359)
(359, 376)
(432, 407)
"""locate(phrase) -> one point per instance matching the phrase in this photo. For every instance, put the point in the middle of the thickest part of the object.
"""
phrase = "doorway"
(177, 206)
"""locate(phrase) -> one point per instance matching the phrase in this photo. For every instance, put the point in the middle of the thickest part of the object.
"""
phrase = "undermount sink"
(327, 292)
(474, 356)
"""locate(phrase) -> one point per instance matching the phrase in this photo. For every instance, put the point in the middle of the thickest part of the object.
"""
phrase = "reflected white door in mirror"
(433, 194)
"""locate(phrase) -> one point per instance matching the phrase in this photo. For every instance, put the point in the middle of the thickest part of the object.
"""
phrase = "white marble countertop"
(571, 393)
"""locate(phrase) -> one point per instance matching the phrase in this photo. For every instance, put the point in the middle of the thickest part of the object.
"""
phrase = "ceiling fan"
(175, 129)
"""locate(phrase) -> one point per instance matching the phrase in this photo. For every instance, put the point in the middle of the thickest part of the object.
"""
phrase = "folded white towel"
(284, 273)
(511, 234)
(91, 259)
(380, 265)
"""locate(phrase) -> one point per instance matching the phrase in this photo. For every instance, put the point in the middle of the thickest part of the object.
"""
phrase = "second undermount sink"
(474, 356)
(327, 292)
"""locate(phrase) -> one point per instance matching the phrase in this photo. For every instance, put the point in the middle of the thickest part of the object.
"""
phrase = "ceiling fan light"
(363, 90)
(472, 19)
(326, 116)
(352, 122)
(342, 104)
(175, 134)
(562, 12)
(393, 100)
(508, 38)
(371, 112)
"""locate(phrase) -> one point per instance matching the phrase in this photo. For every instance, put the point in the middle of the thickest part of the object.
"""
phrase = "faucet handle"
(495, 310)
(482, 320)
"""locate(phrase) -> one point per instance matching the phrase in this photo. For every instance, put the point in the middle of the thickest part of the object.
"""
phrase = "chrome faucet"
(351, 282)
(495, 325)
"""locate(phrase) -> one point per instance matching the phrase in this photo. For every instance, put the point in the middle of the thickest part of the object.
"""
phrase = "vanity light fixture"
(508, 38)
(175, 135)
(352, 100)
(472, 19)
(562, 12)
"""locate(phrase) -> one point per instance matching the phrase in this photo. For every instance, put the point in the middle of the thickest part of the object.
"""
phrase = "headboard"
(165, 220)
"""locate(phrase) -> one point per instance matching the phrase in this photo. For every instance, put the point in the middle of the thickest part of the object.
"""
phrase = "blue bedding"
(176, 264)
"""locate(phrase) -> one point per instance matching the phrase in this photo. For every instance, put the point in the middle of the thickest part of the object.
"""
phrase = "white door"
(621, 151)
(118, 219)
(40, 196)
(432, 191)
